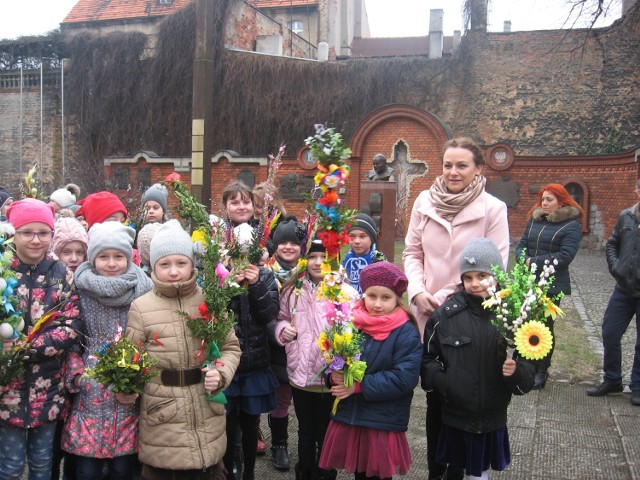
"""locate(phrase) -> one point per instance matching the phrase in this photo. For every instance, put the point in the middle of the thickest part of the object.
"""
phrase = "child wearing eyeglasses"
(31, 405)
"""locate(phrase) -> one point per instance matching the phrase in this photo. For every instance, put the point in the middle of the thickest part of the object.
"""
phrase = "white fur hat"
(65, 197)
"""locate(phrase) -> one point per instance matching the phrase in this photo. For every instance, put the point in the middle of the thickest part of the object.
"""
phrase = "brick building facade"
(603, 185)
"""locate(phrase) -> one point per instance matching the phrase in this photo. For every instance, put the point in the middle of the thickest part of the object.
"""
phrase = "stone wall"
(544, 92)
(12, 167)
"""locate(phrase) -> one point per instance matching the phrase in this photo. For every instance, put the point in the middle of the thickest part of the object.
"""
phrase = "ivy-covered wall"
(543, 93)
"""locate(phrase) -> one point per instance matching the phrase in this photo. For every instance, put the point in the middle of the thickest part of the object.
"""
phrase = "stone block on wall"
(271, 44)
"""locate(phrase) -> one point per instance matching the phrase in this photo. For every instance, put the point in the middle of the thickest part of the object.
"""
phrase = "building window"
(297, 27)
(165, 2)
(576, 193)
(144, 178)
(122, 178)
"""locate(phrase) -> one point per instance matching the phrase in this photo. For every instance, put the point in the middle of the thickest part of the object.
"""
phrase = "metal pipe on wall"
(41, 117)
(64, 172)
(21, 113)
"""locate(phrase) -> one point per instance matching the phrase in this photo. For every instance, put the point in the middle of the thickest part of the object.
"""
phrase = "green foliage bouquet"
(215, 320)
(123, 365)
(11, 321)
(521, 306)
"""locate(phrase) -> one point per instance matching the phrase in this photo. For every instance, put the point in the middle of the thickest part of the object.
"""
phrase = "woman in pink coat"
(444, 218)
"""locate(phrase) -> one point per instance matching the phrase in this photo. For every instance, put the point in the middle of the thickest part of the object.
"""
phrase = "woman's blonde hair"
(259, 192)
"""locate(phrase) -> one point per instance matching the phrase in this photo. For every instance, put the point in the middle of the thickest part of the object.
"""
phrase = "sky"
(387, 18)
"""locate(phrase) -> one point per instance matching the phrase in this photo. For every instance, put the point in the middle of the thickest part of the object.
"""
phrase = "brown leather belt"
(180, 378)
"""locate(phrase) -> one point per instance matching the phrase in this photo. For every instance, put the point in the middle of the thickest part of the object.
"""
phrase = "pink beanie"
(30, 210)
(97, 207)
(68, 230)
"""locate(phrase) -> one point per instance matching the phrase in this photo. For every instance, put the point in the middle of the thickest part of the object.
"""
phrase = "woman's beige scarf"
(448, 205)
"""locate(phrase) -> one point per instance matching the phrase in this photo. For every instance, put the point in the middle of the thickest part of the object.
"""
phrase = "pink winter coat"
(304, 360)
(433, 245)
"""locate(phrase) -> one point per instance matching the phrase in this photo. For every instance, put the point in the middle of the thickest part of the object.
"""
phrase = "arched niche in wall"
(580, 193)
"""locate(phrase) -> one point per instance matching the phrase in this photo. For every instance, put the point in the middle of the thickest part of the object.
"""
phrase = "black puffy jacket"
(553, 237)
(623, 251)
(253, 311)
(462, 361)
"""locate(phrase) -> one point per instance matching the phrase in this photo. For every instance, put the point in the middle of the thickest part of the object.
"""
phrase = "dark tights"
(249, 431)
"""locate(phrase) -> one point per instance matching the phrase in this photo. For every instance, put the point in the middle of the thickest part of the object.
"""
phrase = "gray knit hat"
(171, 239)
(366, 223)
(103, 236)
(480, 255)
(157, 193)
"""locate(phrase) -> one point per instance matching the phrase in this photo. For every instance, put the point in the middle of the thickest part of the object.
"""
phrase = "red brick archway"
(422, 135)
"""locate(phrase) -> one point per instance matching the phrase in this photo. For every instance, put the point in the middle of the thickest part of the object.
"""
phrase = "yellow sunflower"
(533, 340)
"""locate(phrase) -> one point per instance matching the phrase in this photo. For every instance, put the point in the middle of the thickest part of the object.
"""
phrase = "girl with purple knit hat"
(367, 434)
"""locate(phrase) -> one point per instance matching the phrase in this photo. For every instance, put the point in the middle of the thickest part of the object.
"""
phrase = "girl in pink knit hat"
(30, 405)
(70, 242)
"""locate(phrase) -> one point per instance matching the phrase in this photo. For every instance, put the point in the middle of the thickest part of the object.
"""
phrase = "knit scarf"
(448, 205)
(281, 271)
(379, 326)
(113, 291)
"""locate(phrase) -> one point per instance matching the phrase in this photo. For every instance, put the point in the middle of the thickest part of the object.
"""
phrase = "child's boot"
(279, 439)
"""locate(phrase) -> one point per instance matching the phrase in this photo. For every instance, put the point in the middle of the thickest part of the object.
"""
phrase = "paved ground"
(559, 432)
(556, 433)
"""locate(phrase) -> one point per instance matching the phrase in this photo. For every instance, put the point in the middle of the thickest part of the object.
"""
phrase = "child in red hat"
(102, 207)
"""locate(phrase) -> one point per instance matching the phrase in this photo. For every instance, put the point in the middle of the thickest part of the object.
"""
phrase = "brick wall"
(607, 183)
(246, 23)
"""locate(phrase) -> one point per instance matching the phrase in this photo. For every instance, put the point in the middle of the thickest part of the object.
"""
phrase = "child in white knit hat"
(107, 282)
(145, 235)
(64, 197)
(182, 383)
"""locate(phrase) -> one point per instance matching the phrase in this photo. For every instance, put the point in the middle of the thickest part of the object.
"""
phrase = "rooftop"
(100, 10)
(281, 3)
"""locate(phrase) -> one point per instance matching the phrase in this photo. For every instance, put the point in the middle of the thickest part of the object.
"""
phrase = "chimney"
(457, 38)
(323, 52)
(507, 26)
(478, 15)
(436, 35)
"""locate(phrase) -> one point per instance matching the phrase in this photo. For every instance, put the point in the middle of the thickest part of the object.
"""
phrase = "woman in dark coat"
(552, 233)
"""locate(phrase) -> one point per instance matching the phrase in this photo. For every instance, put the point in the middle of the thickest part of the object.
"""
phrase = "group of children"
(269, 359)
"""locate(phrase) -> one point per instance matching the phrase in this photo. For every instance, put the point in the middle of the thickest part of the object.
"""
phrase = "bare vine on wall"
(123, 101)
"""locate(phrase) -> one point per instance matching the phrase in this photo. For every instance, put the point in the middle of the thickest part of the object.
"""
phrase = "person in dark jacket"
(465, 361)
(31, 405)
(367, 434)
(252, 390)
(553, 234)
(623, 259)
(287, 241)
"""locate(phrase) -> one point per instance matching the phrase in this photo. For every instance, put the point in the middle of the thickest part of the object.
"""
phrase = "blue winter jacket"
(393, 371)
